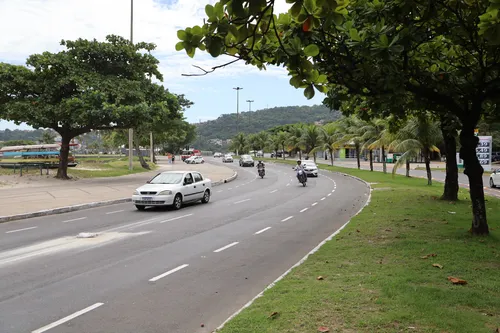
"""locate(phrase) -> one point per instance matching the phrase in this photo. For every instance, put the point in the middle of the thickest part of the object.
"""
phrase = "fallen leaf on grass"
(455, 280)
(429, 255)
(391, 229)
(274, 315)
(320, 278)
(323, 329)
(357, 230)
(437, 265)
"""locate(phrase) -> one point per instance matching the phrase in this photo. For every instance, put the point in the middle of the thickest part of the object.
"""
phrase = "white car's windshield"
(167, 178)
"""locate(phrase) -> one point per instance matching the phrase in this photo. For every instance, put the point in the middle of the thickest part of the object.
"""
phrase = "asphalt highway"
(162, 270)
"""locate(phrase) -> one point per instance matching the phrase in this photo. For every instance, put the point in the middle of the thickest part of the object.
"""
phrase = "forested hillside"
(225, 127)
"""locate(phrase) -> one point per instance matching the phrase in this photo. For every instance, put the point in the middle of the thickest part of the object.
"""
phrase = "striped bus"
(34, 154)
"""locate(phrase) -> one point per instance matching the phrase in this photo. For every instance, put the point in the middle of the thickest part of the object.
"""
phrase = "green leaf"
(179, 46)
(237, 8)
(309, 92)
(384, 40)
(322, 78)
(338, 19)
(353, 33)
(295, 81)
(216, 47)
(181, 34)
(311, 50)
(210, 11)
(310, 5)
(296, 8)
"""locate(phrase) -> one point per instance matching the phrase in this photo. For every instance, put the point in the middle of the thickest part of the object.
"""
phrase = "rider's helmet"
(299, 161)
(260, 161)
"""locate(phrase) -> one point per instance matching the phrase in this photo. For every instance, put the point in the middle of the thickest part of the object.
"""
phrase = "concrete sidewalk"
(53, 194)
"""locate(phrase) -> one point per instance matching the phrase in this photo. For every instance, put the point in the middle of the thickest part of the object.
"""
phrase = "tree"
(349, 127)
(376, 134)
(328, 136)
(419, 135)
(91, 85)
(240, 143)
(47, 137)
(441, 55)
(295, 138)
(282, 139)
(311, 140)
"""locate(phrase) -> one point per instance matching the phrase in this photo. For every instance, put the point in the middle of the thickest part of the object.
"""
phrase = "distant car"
(218, 155)
(173, 188)
(246, 160)
(495, 178)
(260, 153)
(227, 159)
(310, 168)
(195, 160)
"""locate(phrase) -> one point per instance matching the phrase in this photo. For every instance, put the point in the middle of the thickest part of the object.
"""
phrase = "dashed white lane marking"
(286, 219)
(219, 191)
(323, 198)
(314, 204)
(237, 186)
(303, 210)
(261, 231)
(237, 202)
(175, 218)
(288, 184)
(68, 318)
(230, 188)
(273, 191)
(156, 278)
(18, 230)
(329, 194)
(116, 211)
(226, 247)
(73, 220)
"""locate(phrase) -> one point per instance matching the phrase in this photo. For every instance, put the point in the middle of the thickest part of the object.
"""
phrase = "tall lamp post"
(131, 130)
(237, 111)
(250, 105)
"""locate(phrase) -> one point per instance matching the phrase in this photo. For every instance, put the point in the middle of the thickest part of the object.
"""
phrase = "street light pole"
(131, 130)
(237, 112)
(250, 105)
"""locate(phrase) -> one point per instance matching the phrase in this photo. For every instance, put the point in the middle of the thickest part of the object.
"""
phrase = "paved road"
(166, 271)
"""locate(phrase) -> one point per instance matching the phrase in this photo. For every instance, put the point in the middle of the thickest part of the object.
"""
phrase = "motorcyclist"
(298, 167)
(260, 165)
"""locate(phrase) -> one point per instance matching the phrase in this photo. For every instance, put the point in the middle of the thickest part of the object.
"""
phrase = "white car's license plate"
(147, 198)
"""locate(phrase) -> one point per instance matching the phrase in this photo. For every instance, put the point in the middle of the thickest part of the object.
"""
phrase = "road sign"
(483, 151)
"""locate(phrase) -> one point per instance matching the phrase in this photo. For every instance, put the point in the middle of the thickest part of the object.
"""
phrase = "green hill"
(225, 127)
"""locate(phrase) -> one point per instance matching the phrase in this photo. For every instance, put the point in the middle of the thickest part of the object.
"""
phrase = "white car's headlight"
(166, 192)
(136, 192)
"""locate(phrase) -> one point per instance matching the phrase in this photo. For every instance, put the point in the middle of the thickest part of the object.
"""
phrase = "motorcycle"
(262, 172)
(302, 177)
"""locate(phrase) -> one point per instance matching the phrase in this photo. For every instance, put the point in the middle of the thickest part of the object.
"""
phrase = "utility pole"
(237, 111)
(131, 130)
(250, 105)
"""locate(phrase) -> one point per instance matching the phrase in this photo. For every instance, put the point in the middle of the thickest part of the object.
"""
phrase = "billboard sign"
(483, 151)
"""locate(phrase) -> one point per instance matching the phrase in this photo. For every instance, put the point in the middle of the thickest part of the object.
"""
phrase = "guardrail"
(27, 166)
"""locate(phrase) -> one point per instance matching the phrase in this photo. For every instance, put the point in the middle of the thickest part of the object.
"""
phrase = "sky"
(35, 26)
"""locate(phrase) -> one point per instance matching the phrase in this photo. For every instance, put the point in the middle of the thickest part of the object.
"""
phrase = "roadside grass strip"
(388, 270)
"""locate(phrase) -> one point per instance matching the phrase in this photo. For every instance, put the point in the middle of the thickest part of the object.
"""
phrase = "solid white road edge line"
(288, 218)
(72, 220)
(300, 261)
(116, 211)
(17, 230)
(303, 210)
(237, 202)
(226, 247)
(175, 218)
(68, 318)
(156, 278)
(261, 231)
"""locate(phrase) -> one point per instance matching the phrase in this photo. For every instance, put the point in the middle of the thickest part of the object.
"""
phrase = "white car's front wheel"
(177, 202)
(492, 184)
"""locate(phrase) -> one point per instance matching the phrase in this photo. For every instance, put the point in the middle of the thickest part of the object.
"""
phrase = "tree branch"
(213, 69)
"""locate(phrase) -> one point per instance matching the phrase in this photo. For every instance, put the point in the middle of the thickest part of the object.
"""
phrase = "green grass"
(486, 173)
(376, 281)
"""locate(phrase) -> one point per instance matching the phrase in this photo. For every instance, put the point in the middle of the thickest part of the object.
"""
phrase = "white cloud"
(34, 26)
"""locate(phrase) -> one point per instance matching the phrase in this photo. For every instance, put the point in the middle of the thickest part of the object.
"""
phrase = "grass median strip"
(397, 267)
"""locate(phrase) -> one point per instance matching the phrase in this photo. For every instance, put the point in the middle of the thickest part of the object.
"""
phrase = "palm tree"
(311, 140)
(376, 135)
(239, 143)
(350, 133)
(253, 143)
(282, 139)
(420, 135)
(328, 137)
(295, 138)
(274, 144)
(261, 139)
(47, 137)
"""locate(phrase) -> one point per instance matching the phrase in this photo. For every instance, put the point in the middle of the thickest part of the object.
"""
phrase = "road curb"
(73, 208)
(301, 261)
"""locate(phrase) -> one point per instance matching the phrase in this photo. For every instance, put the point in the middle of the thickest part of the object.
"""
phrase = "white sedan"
(227, 159)
(195, 160)
(495, 178)
(173, 188)
(310, 168)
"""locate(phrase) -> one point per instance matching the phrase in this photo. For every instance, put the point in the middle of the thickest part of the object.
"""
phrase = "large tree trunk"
(384, 164)
(357, 156)
(62, 171)
(155, 161)
(138, 150)
(300, 154)
(408, 168)
(474, 170)
(371, 160)
(283, 151)
(428, 167)
(451, 181)
(331, 157)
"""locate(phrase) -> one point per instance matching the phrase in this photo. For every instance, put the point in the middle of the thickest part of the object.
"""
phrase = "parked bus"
(44, 153)
(187, 153)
